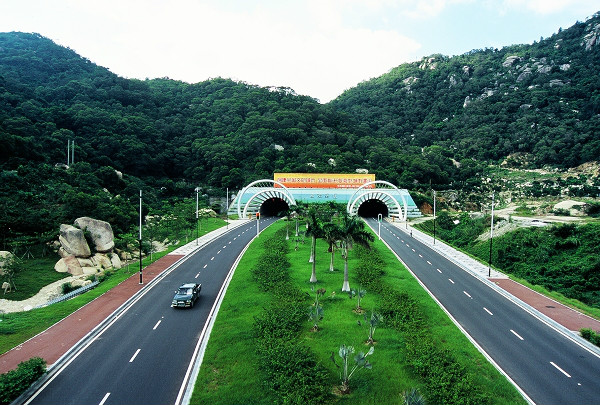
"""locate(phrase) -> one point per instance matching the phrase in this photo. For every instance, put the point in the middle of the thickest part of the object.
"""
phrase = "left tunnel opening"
(273, 207)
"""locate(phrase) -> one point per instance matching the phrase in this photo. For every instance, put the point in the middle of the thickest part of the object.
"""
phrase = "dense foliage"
(15, 382)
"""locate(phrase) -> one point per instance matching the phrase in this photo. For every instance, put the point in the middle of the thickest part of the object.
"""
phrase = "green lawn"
(229, 373)
(18, 327)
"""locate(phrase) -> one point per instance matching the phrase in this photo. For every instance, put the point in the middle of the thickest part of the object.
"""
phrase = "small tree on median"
(346, 372)
(374, 321)
(359, 294)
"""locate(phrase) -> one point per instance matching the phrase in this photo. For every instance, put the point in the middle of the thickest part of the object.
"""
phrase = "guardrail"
(70, 295)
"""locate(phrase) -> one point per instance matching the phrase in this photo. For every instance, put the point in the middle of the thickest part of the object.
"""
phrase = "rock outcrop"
(77, 257)
(100, 231)
(72, 241)
(4, 257)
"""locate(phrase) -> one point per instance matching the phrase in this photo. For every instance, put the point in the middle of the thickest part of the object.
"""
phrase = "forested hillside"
(438, 122)
(539, 103)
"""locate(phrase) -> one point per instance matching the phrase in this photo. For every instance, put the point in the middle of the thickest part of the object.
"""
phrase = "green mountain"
(437, 122)
(540, 102)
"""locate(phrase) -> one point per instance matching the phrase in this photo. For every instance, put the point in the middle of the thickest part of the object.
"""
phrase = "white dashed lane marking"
(134, 355)
(516, 334)
(560, 369)
(104, 399)
(488, 311)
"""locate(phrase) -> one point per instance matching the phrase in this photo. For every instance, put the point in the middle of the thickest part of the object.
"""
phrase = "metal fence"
(70, 295)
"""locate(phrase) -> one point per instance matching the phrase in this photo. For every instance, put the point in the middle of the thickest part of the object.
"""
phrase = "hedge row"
(292, 373)
(591, 336)
(15, 382)
(446, 381)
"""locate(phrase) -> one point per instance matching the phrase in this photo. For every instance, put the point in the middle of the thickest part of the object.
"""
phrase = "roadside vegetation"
(278, 338)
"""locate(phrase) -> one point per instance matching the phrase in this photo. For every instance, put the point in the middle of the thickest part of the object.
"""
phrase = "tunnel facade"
(362, 195)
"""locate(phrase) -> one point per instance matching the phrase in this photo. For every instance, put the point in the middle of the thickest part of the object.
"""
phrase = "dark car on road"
(186, 295)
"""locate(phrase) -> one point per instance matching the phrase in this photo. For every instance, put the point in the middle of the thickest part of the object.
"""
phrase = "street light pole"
(491, 238)
(227, 209)
(141, 279)
(434, 217)
(379, 216)
(257, 220)
(197, 231)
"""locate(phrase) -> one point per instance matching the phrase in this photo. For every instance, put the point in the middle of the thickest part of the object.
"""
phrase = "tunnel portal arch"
(382, 191)
(268, 191)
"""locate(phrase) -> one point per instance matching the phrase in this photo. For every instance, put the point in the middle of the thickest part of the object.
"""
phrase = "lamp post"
(434, 217)
(227, 210)
(141, 279)
(379, 216)
(197, 230)
(257, 221)
(491, 238)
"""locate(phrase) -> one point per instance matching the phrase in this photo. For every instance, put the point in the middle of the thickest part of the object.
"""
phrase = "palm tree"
(352, 231)
(314, 229)
(331, 234)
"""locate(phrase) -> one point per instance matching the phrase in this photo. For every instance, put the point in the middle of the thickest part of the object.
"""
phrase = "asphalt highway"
(549, 367)
(142, 357)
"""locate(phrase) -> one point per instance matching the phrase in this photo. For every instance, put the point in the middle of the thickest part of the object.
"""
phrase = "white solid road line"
(156, 326)
(104, 399)
(560, 369)
(490, 312)
(516, 334)
(134, 355)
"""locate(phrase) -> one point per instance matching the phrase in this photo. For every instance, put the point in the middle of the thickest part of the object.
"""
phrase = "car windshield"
(185, 291)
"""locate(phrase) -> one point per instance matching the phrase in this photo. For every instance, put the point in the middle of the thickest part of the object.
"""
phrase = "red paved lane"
(567, 317)
(59, 338)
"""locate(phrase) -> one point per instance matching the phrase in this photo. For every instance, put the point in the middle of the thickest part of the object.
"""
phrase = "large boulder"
(5, 257)
(116, 261)
(73, 241)
(69, 264)
(101, 233)
(102, 260)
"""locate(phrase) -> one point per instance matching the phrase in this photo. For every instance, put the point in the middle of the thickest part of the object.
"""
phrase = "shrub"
(291, 371)
(591, 336)
(67, 288)
(15, 382)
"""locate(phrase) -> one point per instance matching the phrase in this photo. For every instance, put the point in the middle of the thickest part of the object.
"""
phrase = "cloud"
(306, 47)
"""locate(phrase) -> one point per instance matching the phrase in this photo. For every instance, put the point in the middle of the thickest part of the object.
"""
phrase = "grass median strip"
(405, 350)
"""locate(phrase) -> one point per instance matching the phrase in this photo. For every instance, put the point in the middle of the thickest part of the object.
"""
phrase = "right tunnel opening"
(372, 208)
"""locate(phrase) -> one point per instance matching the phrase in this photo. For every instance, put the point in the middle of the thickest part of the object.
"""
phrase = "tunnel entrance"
(372, 208)
(273, 207)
